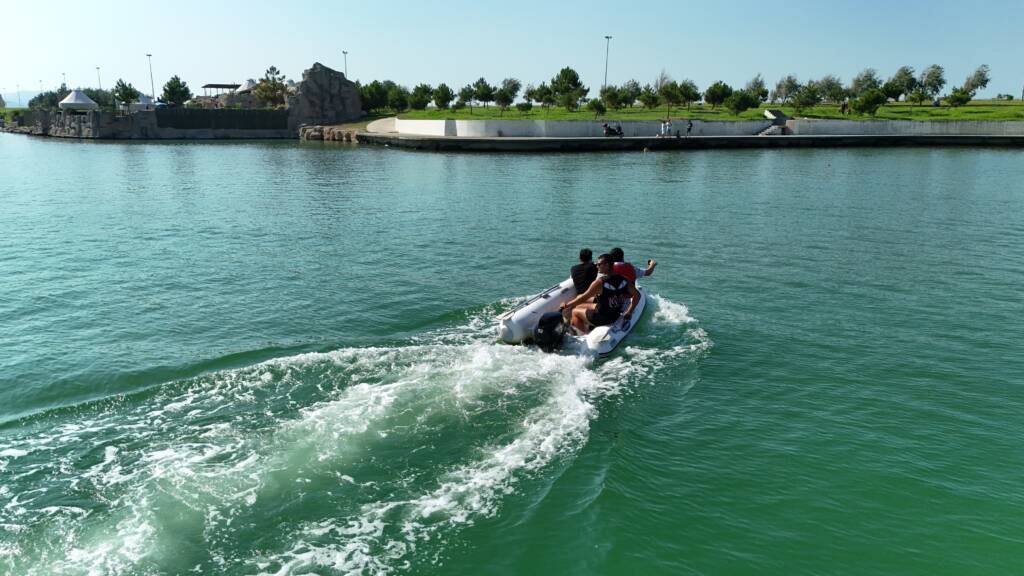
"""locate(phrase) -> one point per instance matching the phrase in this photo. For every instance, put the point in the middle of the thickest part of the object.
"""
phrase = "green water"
(275, 358)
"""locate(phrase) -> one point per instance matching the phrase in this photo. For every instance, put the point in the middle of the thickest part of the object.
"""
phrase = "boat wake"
(359, 460)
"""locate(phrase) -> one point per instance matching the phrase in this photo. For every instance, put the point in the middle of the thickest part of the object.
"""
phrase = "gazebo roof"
(77, 100)
(222, 86)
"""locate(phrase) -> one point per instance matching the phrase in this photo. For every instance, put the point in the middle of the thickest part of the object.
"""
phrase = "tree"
(524, 107)
(374, 96)
(567, 88)
(933, 79)
(101, 97)
(176, 92)
(892, 89)
(611, 97)
(421, 96)
(917, 96)
(398, 98)
(596, 106)
(544, 95)
(867, 79)
(741, 100)
(959, 96)
(670, 94)
(125, 93)
(648, 97)
(466, 95)
(756, 87)
(785, 88)
(629, 92)
(717, 93)
(483, 92)
(868, 102)
(271, 89)
(443, 96)
(808, 96)
(506, 95)
(50, 99)
(689, 92)
(662, 79)
(512, 86)
(831, 89)
(902, 83)
(978, 80)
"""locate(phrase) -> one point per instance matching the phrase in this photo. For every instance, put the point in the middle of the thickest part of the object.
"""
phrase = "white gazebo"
(77, 100)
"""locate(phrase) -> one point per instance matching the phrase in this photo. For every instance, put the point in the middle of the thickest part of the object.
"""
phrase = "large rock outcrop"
(324, 96)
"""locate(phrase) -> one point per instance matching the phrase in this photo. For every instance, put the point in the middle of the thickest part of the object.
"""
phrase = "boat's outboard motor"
(549, 332)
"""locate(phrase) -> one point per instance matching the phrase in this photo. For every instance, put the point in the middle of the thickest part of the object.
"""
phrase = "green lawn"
(975, 110)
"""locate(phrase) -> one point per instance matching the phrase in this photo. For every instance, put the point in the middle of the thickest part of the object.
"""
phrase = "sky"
(457, 41)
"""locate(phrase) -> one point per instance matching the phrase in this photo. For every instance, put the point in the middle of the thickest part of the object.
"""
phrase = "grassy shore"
(975, 110)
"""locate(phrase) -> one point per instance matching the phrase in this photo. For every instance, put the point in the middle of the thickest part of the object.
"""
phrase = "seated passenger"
(584, 273)
(627, 269)
(610, 290)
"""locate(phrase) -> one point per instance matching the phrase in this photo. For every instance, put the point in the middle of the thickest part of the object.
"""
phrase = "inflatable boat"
(537, 317)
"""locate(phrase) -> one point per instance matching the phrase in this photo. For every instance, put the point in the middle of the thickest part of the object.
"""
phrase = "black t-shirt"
(583, 275)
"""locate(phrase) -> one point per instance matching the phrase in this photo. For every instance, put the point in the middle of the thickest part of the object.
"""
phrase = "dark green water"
(273, 358)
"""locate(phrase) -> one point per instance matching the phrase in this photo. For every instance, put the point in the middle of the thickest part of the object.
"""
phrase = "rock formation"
(324, 96)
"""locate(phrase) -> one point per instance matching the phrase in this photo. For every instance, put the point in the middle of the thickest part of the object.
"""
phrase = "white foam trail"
(220, 444)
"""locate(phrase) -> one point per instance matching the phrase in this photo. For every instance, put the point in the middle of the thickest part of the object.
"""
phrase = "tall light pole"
(98, 83)
(607, 45)
(63, 79)
(345, 52)
(18, 88)
(152, 88)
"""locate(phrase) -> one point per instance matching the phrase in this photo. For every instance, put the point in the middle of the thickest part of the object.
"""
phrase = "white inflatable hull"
(516, 326)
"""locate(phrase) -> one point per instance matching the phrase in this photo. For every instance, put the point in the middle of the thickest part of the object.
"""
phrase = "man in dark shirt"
(584, 273)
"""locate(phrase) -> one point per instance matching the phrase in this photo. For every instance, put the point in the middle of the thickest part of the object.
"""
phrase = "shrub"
(869, 102)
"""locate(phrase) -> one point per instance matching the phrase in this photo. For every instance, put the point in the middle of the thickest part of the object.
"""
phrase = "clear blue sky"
(457, 41)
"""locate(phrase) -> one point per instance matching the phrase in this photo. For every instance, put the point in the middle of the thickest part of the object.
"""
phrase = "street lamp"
(63, 79)
(18, 88)
(345, 52)
(607, 45)
(152, 89)
(98, 83)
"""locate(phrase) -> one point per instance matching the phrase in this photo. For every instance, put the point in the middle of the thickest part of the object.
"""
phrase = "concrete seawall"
(828, 127)
(511, 144)
(570, 128)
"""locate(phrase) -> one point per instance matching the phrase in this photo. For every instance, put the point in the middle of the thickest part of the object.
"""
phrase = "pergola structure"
(219, 88)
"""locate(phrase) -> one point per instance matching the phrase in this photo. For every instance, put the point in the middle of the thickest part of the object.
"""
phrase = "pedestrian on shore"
(689, 127)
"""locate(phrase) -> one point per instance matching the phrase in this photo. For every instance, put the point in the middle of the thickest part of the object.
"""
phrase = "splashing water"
(365, 460)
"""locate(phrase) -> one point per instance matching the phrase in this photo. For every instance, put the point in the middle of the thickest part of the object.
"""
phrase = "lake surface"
(280, 358)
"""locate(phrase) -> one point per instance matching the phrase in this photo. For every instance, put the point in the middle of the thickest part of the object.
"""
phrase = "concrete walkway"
(382, 126)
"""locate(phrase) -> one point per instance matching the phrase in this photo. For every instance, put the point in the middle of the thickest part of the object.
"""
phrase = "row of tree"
(271, 91)
(565, 89)
(864, 95)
